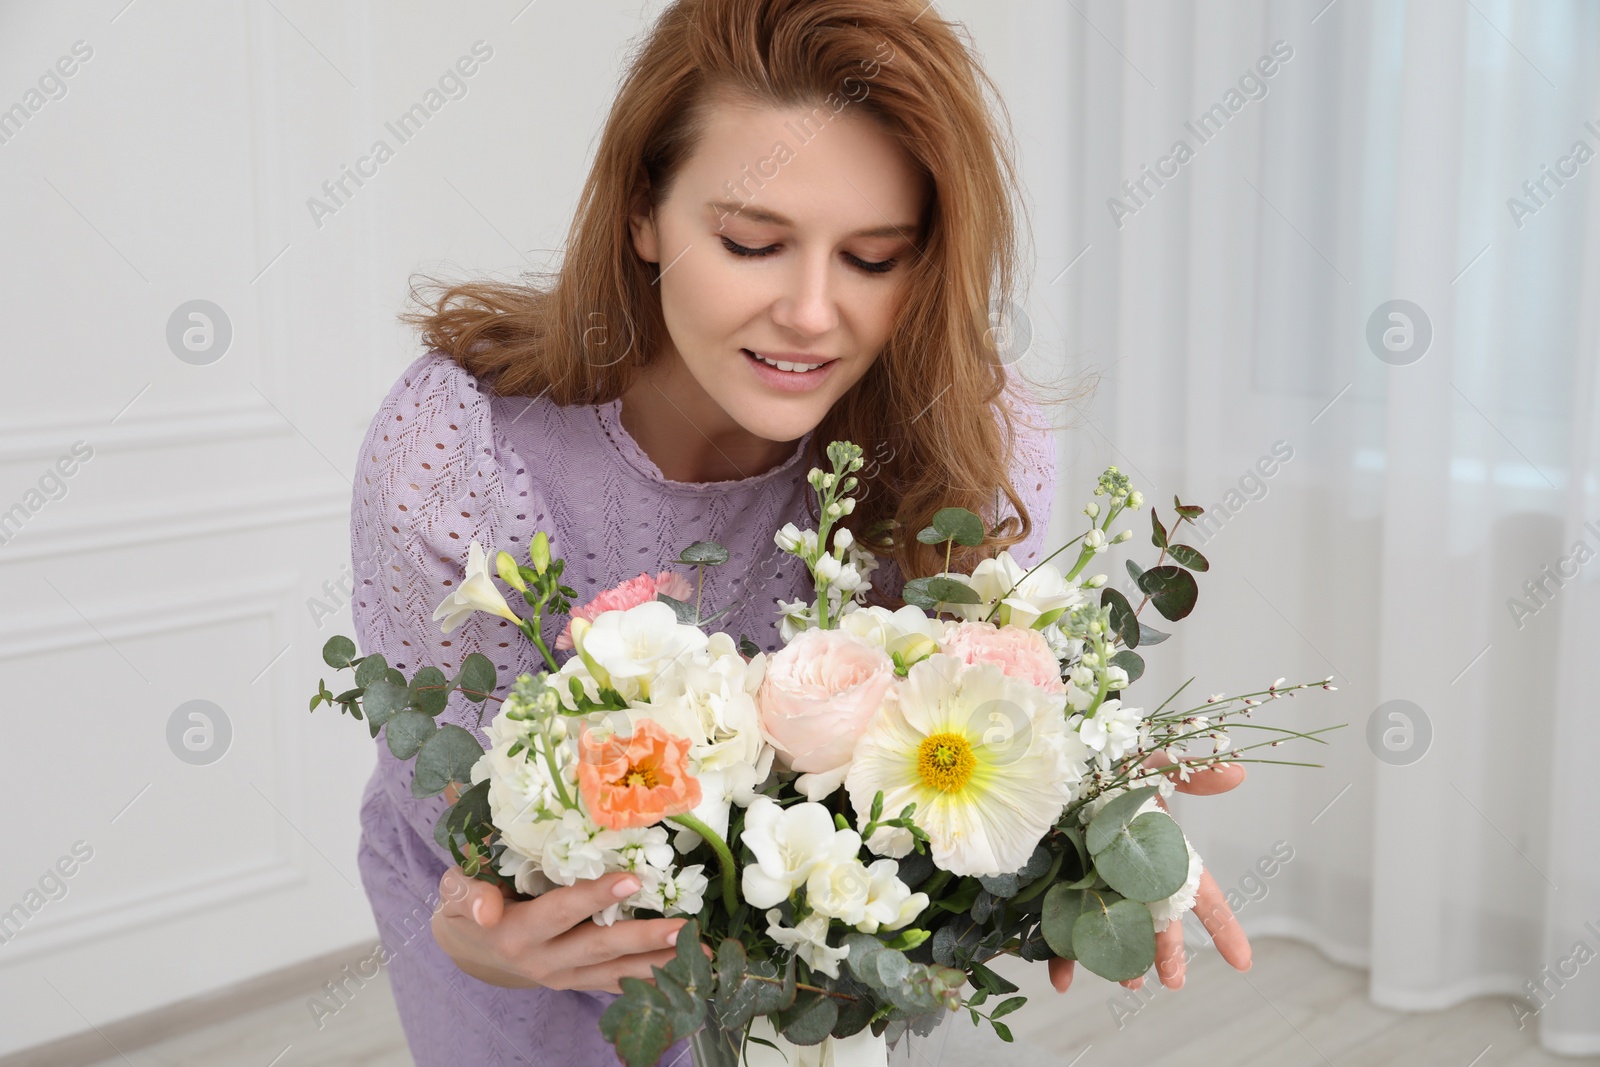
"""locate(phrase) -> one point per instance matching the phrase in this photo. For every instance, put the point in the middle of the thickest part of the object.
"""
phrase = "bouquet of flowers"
(859, 822)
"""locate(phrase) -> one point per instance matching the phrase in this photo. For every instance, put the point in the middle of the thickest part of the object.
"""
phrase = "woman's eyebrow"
(756, 214)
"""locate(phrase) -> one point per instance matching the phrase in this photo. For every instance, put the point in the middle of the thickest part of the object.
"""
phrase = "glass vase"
(713, 1046)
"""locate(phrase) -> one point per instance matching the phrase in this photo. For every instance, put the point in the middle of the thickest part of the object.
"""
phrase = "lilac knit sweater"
(445, 463)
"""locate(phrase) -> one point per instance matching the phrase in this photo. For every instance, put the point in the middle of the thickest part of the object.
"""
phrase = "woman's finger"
(1060, 973)
(1170, 961)
(555, 912)
(470, 898)
(1208, 782)
(1135, 983)
(1225, 931)
(589, 943)
(607, 976)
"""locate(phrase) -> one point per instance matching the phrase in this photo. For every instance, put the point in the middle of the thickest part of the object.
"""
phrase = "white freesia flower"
(789, 843)
(891, 841)
(890, 903)
(477, 592)
(1023, 600)
(809, 939)
(634, 645)
(986, 758)
(839, 890)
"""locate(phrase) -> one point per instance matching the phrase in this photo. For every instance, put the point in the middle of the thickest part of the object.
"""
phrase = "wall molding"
(122, 524)
(234, 420)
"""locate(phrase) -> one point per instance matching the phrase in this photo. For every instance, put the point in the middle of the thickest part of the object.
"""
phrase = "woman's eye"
(875, 268)
(870, 268)
(741, 250)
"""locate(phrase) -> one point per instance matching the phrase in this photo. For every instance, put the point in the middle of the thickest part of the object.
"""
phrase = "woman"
(793, 231)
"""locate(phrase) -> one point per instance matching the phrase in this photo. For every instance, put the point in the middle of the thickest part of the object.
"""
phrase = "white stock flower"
(679, 893)
(1113, 731)
(809, 939)
(1165, 912)
(570, 852)
(477, 592)
(789, 843)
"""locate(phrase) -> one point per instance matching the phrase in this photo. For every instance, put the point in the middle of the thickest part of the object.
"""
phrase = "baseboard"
(138, 1031)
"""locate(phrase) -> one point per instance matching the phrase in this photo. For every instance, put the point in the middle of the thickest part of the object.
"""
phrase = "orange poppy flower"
(638, 779)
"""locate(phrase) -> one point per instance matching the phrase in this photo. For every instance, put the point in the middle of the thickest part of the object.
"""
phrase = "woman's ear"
(642, 225)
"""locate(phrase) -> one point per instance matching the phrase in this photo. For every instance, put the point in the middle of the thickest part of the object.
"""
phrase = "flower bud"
(1092, 510)
(507, 568)
(1135, 500)
(843, 539)
(1096, 581)
(1121, 537)
(539, 552)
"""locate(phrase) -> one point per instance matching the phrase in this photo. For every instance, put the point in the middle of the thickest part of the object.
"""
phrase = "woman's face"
(810, 271)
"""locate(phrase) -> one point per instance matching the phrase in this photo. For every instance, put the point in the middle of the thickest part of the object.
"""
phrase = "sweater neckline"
(608, 419)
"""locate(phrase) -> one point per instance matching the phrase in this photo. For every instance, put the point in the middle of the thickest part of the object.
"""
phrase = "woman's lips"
(785, 380)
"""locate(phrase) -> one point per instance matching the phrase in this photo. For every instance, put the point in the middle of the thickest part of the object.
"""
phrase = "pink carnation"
(629, 594)
(1021, 653)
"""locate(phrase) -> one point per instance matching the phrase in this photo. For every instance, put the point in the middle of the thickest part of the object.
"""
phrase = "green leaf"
(1115, 817)
(447, 756)
(1123, 620)
(370, 669)
(729, 971)
(1187, 511)
(1147, 861)
(748, 648)
(1117, 942)
(1001, 1029)
(1188, 556)
(810, 1020)
(1149, 635)
(639, 1023)
(407, 730)
(1062, 906)
(702, 552)
(680, 608)
(1158, 532)
(687, 1009)
(1131, 662)
(959, 525)
(1133, 569)
(930, 536)
(477, 674)
(929, 593)
(1172, 590)
(338, 652)
(382, 699)
(429, 701)
(691, 965)
(1006, 1007)
(984, 978)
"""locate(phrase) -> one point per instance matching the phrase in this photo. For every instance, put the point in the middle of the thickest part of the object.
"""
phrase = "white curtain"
(1420, 521)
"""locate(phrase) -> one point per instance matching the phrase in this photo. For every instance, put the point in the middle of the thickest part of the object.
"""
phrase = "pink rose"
(1021, 653)
(818, 695)
(629, 594)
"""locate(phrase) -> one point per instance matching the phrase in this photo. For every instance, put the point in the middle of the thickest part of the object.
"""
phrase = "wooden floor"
(1292, 1009)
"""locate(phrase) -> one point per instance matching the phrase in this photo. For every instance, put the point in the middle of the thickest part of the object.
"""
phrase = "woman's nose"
(807, 303)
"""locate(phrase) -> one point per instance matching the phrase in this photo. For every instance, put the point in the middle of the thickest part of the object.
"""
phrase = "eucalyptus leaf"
(1149, 635)
(1117, 942)
(810, 1020)
(680, 608)
(338, 651)
(1123, 620)
(639, 1023)
(424, 697)
(446, 756)
(370, 669)
(1131, 662)
(477, 675)
(1114, 818)
(1189, 557)
(1147, 861)
(959, 525)
(382, 699)
(406, 730)
(1172, 590)
(703, 552)
(1062, 906)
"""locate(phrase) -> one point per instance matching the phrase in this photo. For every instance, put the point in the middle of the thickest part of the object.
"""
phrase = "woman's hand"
(1209, 904)
(549, 940)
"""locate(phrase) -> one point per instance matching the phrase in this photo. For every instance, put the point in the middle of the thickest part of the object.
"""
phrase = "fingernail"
(672, 938)
(625, 888)
(477, 912)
